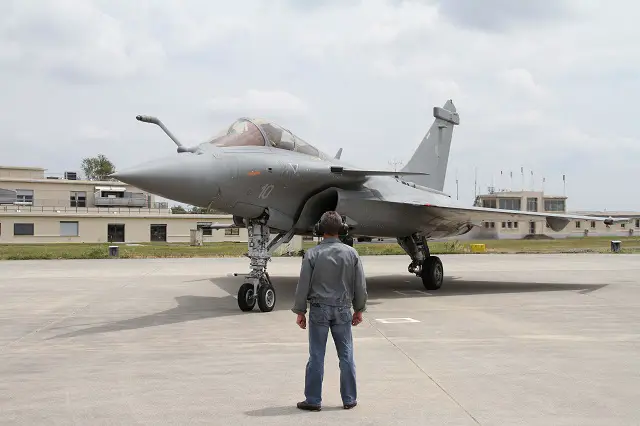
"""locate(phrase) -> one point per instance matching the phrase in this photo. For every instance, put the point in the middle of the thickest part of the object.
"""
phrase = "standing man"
(332, 280)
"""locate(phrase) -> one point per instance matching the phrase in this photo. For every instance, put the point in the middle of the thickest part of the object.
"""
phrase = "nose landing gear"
(258, 286)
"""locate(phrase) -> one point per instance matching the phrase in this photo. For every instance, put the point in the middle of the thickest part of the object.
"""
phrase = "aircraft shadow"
(379, 288)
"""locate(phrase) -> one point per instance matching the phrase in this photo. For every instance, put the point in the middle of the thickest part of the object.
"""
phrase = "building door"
(159, 233)
(532, 227)
(115, 233)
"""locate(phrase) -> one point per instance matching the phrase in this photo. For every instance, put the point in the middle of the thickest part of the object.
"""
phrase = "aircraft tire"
(246, 300)
(433, 273)
(266, 298)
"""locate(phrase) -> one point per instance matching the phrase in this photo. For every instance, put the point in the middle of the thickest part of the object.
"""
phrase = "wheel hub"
(269, 297)
(438, 273)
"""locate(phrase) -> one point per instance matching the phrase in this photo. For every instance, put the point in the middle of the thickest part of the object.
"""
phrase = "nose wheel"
(266, 296)
(246, 297)
(258, 287)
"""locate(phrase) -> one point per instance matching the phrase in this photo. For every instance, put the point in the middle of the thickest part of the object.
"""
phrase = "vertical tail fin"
(432, 154)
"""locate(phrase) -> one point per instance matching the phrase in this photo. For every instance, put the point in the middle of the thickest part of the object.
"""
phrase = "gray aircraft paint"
(432, 155)
(296, 188)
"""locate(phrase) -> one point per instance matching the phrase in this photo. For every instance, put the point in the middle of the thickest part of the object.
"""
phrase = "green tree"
(178, 210)
(97, 168)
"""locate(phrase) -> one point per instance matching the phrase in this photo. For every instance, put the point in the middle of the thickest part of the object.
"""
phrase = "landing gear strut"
(258, 286)
(428, 268)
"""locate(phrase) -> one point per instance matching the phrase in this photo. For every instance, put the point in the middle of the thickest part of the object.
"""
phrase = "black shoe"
(350, 406)
(309, 407)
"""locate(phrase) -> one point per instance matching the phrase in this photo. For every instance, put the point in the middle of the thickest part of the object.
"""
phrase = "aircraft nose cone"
(187, 178)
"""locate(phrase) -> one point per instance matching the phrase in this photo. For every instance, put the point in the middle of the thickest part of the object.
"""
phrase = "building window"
(532, 204)
(504, 224)
(232, 231)
(510, 225)
(553, 205)
(489, 203)
(515, 224)
(78, 199)
(24, 196)
(577, 224)
(206, 230)
(115, 233)
(623, 225)
(23, 229)
(159, 232)
(493, 224)
(509, 203)
(69, 229)
(593, 224)
(637, 223)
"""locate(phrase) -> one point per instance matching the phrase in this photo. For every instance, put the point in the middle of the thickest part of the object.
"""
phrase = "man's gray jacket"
(331, 274)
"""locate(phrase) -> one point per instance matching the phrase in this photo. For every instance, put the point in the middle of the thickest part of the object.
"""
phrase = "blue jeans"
(338, 319)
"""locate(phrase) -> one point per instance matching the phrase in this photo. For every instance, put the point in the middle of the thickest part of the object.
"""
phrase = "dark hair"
(331, 223)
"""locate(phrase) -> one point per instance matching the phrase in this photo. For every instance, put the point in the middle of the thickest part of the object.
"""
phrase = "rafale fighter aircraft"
(273, 182)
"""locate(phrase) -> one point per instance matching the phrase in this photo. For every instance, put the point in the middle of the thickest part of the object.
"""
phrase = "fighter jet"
(274, 183)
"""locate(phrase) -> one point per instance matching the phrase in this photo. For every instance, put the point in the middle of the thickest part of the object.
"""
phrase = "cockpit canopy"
(258, 132)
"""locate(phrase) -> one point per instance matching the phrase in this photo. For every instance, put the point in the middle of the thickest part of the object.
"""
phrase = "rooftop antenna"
(475, 184)
(533, 182)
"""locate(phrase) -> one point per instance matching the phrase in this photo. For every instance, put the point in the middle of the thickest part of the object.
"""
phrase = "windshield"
(240, 133)
(245, 133)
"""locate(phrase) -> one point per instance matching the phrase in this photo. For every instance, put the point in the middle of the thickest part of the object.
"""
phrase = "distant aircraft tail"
(432, 154)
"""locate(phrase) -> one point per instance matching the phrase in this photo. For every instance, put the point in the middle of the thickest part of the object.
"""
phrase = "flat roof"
(519, 194)
(40, 169)
(62, 180)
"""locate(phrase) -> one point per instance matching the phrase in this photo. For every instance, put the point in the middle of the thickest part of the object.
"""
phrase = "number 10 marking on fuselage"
(266, 191)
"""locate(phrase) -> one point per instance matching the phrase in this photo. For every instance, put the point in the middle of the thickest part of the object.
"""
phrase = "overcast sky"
(550, 86)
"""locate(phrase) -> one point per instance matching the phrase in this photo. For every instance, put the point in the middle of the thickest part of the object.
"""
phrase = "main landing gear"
(258, 286)
(428, 268)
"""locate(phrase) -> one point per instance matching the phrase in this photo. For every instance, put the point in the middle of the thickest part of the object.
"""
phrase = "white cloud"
(260, 102)
(93, 132)
(74, 40)
(544, 84)
(522, 82)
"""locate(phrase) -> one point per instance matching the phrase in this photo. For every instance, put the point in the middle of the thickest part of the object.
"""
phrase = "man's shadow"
(289, 410)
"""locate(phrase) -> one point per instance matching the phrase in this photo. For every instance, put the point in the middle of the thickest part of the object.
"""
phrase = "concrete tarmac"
(508, 340)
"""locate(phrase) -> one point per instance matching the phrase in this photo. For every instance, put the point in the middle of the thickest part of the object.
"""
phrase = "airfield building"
(537, 201)
(36, 207)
